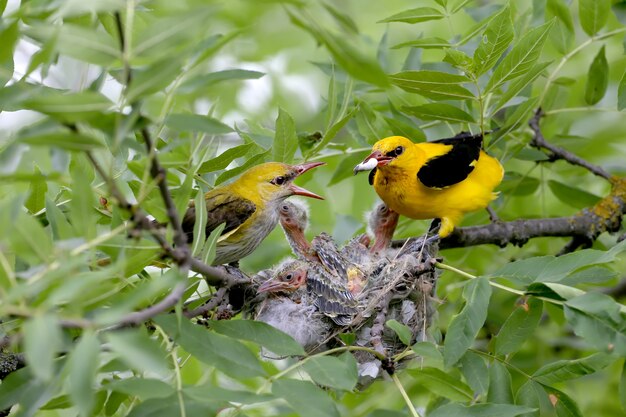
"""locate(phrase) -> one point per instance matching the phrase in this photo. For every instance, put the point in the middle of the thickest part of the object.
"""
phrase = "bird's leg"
(493, 216)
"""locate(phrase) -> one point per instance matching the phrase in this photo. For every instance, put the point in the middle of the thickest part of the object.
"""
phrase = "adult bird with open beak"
(249, 207)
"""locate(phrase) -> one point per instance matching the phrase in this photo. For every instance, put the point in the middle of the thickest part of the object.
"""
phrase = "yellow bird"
(443, 179)
(249, 207)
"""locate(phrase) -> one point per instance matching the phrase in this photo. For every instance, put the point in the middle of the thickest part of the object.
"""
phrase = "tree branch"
(556, 152)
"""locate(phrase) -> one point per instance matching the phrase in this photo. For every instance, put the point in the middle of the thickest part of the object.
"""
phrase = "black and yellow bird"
(443, 179)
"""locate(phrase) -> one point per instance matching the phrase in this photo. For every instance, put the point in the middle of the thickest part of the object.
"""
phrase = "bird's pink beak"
(301, 169)
(373, 160)
(271, 285)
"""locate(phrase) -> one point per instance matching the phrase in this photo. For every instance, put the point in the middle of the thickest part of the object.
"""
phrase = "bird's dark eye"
(285, 208)
(396, 152)
(288, 277)
(278, 180)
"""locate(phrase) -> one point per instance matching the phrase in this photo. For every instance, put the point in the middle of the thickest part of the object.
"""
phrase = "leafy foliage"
(223, 86)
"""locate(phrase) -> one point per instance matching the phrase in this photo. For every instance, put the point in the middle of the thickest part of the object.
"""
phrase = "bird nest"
(387, 309)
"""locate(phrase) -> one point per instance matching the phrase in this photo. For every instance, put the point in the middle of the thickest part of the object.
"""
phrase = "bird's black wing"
(221, 208)
(455, 165)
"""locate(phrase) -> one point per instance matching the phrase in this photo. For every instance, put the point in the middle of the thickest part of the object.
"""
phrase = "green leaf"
(285, 140)
(496, 39)
(521, 58)
(531, 394)
(442, 384)
(207, 80)
(565, 370)
(153, 79)
(211, 392)
(428, 352)
(439, 111)
(593, 15)
(622, 387)
(333, 131)
(171, 407)
(226, 354)
(433, 84)
(199, 226)
(30, 240)
(404, 333)
(258, 332)
(252, 161)
(475, 372)
(210, 246)
(88, 45)
(555, 269)
(479, 410)
(519, 84)
(64, 139)
(519, 326)
(305, 398)
(143, 388)
(8, 39)
(559, 9)
(596, 318)
(135, 348)
(186, 122)
(342, 18)
(420, 14)
(36, 193)
(424, 43)
(61, 228)
(572, 196)
(333, 372)
(42, 341)
(348, 57)
(83, 198)
(500, 391)
(458, 59)
(69, 107)
(465, 325)
(225, 158)
(597, 78)
(563, 404)
(83, 366)
(621, 93)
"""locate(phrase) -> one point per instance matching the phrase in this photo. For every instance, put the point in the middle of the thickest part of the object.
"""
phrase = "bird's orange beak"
(373, 160)
(301, 169)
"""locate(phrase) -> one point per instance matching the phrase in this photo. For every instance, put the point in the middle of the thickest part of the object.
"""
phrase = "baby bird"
(314, 285)
(382, 223)
(443, 179)
(294, 218)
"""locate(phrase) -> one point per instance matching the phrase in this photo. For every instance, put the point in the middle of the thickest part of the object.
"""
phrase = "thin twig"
(405, 396)
(217, 298)
(556, 152)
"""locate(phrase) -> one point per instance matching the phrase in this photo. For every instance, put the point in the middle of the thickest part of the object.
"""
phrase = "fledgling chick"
(300, 321)
(382, 222)
(294, 217)
(343, 268)
(328, 294)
